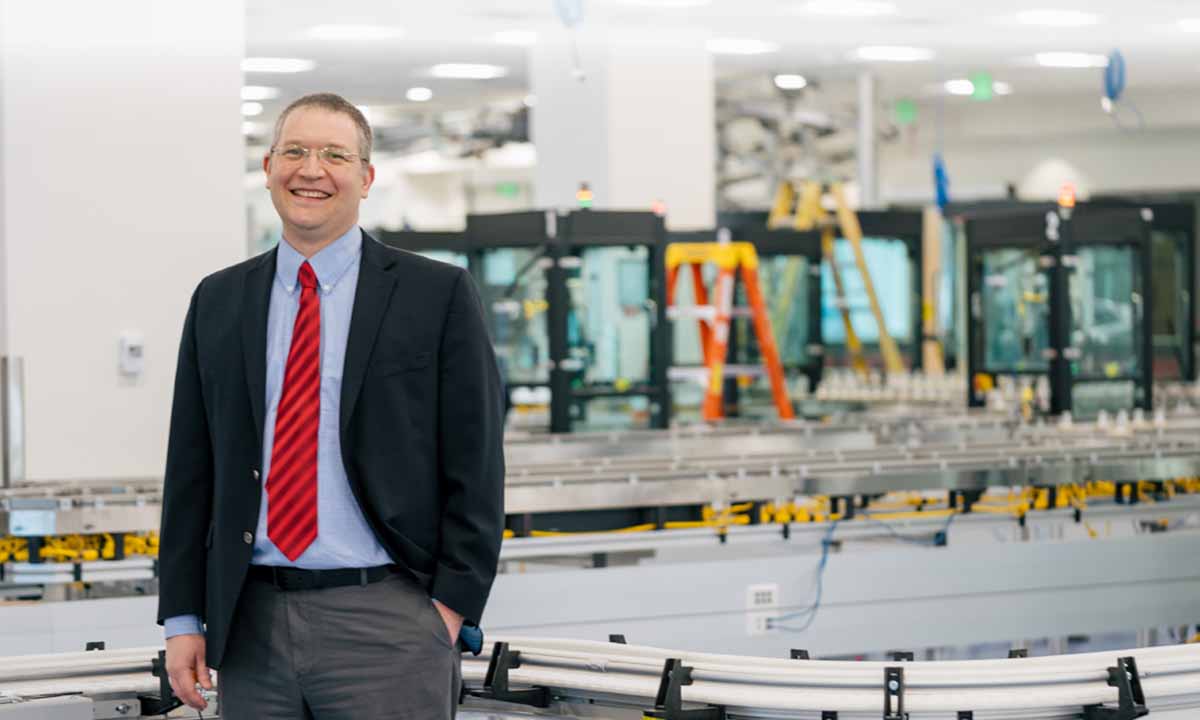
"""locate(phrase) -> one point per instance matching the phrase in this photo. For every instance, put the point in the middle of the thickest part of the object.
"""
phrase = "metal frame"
(563, 236)
(1056, 234)
(900, 224)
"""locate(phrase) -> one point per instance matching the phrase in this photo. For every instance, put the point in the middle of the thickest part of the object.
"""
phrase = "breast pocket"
(412, 361)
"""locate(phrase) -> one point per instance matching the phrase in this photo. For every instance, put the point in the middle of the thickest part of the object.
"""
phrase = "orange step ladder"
(715, 317)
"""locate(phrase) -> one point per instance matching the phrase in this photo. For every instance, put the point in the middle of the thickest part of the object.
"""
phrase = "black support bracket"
(1017, 653)
(496, 685)
(799, 654)
(1131, 701)
(668, 703)
(829, 715)
(165, 701)
(618, 639)
(893, 694)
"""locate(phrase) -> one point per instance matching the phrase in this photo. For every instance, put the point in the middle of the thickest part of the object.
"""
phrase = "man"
(333, 504)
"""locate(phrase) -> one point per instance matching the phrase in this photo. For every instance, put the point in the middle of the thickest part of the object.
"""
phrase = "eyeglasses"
(329, 155)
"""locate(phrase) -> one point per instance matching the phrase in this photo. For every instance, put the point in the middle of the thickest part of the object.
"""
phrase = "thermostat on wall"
(132, 360)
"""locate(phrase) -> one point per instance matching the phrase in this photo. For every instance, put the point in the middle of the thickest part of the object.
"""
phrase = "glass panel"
(784, 280)
(891, 273)
(513, 288)
(609, 325)
(611, 413)
(1088, 398)
(1106, 313)
(1170, 296)
(1016, 312)
(446, 256)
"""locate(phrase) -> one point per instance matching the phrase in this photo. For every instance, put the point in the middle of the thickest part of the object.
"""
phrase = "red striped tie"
(292, 485)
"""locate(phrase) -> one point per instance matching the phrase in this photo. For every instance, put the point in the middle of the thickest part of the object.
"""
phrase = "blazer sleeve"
(470, 457)
(187, 488)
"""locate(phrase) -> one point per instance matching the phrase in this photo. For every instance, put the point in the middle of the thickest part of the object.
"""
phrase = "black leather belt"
(289, 578)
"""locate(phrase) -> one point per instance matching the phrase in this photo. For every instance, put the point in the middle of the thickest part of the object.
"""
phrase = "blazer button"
(248, 537)
(254, 473)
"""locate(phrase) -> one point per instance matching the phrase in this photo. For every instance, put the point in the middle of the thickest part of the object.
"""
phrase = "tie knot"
(307, 278)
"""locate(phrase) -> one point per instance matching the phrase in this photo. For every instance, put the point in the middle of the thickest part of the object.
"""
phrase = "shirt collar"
(329, 264)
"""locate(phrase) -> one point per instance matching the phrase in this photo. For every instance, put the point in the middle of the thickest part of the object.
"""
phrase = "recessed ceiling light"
(665, 3)
(791, 82)
(250, 109)
(740, 46)
(249, 128)
(849, 8)
(1071, 60)
(419, 94)
(522, 38)
(354, 32)
(277, 65)
(1190, 25)
(960, 86)
(467, 71)
(259, 92)
(1002, 88)
(1057, 18)
(893, 53)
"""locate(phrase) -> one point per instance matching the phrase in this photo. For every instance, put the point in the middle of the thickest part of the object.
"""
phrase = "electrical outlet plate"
(762, 603)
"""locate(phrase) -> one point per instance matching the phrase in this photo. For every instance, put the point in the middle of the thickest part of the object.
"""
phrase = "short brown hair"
(332, 103)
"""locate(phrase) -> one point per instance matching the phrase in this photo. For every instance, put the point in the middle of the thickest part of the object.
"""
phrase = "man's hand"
(452, 619)
(186, 667)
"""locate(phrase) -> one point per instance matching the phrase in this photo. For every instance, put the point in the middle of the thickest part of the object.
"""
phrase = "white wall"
(121, 184)
(661, 111)
(638, 128)
(1039, 142)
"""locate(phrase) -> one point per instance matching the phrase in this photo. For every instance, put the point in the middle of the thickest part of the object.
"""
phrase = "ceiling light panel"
(960, 86)
(277, 65)
(665, 4)
(1071, 60)
(467, 71)
(259, 92)
(1190, 25)
(893, 53)
(848, 8)
(355, 32)
(1057, 18)
(251, 109)
(791, 82)
(740, 46)
(418, 94)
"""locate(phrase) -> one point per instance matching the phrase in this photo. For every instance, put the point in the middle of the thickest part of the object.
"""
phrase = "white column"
(639, 128)
(868, 167)
(121, 187)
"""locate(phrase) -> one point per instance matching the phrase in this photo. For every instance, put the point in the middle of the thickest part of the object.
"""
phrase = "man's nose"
(312, 167)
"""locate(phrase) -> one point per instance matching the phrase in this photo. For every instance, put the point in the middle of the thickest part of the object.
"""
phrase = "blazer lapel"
(375, 286)
(254, 335)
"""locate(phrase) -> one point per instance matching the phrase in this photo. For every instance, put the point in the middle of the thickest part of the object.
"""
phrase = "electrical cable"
(810, 613)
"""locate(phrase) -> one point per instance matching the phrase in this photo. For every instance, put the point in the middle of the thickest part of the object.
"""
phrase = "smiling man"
(333, 504)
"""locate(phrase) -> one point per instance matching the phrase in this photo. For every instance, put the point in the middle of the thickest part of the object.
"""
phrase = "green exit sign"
(508, 189)
(982, 86)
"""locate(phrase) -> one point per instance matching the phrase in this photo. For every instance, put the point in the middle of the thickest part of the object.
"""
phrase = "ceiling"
(964, 35)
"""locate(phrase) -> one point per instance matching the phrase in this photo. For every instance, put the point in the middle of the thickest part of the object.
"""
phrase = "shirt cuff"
(182, 625)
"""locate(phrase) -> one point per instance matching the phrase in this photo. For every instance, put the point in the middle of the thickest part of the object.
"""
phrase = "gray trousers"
(372, 651)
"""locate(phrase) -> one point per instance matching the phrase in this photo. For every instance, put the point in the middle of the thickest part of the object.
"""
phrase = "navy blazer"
(421, 432)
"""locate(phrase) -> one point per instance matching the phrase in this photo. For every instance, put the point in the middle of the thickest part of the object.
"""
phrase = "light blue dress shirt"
(344, 539)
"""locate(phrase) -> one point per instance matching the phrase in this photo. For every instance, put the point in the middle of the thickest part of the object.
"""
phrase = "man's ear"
(368, 180)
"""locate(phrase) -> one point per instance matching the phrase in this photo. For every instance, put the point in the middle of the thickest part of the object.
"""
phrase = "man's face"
(316, 199)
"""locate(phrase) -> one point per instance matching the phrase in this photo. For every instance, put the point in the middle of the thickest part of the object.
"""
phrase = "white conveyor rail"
(1043, 688)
